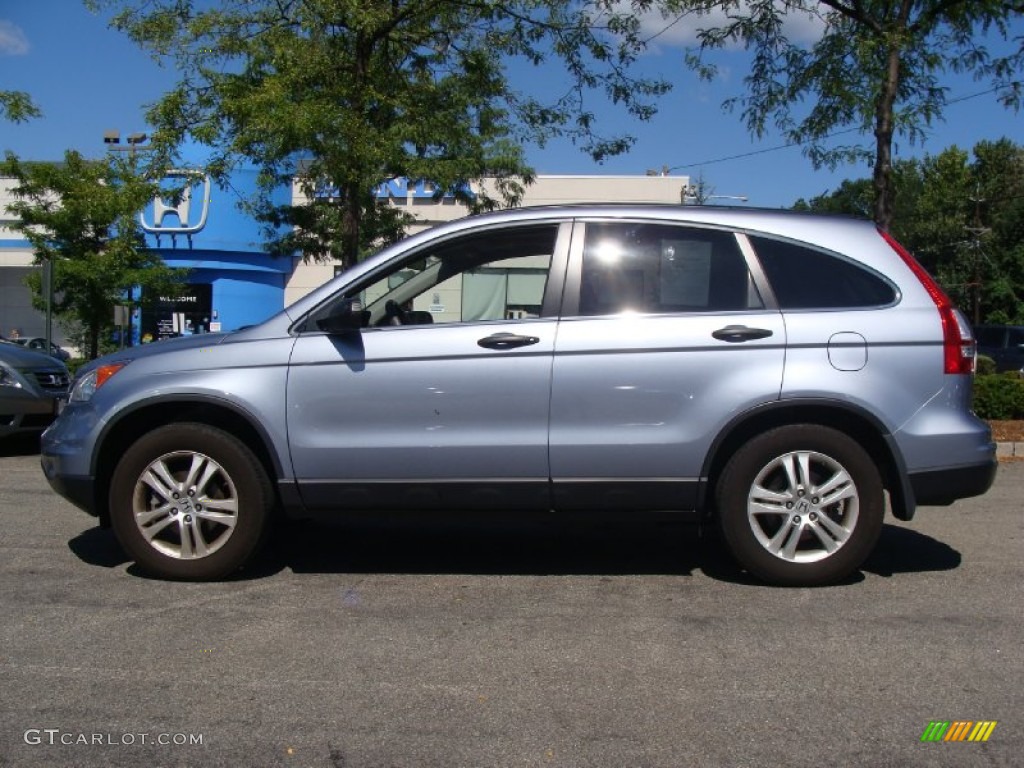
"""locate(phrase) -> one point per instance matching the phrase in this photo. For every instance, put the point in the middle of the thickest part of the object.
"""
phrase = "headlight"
(8, 378)
(86, 386)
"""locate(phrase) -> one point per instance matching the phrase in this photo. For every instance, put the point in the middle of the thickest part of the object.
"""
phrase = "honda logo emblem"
(180, 218)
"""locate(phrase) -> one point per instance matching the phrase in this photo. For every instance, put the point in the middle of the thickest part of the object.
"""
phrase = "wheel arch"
(134, 422)
(861, 425)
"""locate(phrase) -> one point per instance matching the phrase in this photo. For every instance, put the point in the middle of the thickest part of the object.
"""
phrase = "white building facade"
(17, 316)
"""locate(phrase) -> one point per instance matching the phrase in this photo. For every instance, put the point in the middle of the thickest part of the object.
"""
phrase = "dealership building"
(230, 281)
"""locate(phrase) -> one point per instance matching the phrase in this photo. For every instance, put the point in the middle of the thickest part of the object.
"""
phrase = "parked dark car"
(38, 344)
(31, 384)
(1004, 344)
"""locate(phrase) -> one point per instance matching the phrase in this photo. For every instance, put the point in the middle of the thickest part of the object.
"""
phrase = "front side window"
(660, 268)
(492, 276)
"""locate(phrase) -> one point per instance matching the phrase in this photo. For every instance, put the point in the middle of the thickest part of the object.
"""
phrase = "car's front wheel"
(189, 501)
(801, 505)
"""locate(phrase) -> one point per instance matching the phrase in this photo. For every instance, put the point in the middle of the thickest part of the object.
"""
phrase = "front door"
(442, 399)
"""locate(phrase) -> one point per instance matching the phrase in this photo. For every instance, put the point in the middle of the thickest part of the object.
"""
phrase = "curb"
(1009, 450)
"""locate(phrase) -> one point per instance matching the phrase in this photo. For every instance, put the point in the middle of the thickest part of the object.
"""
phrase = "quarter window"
(806, 278)
(657, 268)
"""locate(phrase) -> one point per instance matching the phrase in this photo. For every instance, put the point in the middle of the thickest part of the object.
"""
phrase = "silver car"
(31, 385)
(779, 374)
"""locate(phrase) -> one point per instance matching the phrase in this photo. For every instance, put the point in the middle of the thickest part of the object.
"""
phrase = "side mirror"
(348, 316)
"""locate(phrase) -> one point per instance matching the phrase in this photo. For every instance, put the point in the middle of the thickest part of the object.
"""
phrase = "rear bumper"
(941, 487)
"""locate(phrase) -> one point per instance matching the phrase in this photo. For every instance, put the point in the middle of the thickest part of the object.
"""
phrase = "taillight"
(958, 344)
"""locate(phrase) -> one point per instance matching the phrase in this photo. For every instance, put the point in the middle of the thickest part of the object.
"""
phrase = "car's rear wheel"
(189, 501)
(801, 505)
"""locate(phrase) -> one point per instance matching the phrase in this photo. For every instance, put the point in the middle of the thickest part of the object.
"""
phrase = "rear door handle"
(506, 341)
(737, 333)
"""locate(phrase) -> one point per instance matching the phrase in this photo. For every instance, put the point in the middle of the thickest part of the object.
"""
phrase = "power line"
(789, 144)
(756, 151)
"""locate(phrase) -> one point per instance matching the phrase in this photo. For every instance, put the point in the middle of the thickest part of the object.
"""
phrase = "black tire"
(779, 526)
(217, 521)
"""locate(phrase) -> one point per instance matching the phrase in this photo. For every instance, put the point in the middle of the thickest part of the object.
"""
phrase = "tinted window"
(805, 278)
(662, 268)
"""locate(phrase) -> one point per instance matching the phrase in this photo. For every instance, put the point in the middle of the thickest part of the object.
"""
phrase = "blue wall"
(226, 252)
(247, 287)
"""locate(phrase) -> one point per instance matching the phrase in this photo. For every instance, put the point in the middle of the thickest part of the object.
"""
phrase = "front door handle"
(506, 341)
(738, 333)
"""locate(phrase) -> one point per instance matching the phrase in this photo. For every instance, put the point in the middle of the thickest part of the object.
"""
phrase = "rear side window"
(659, 268)
(806, 278)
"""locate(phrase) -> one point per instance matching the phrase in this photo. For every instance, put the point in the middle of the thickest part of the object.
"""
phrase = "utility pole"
(976, 232)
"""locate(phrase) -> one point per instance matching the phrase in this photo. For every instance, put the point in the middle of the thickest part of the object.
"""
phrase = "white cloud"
(799, 26)
(12, 40)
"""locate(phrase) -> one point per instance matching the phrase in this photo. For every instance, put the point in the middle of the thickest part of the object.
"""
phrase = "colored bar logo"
(959, 730)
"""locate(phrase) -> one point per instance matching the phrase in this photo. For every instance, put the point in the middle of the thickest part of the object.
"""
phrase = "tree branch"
(854, 12)
(929, 16)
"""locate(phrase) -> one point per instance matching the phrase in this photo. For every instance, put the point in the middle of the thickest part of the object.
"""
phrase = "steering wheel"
(393, 313)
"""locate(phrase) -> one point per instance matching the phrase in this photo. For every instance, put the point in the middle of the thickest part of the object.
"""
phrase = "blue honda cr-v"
(779, 373)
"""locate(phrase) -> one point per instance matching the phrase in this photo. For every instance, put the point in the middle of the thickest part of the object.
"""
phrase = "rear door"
(664, 339)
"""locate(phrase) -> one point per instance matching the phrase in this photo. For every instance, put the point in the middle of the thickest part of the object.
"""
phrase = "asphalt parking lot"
(507, 643)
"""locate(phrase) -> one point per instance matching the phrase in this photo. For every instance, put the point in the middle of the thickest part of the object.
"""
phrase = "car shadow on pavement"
(98, 546)
(554, 548)
(904, 550)
(485, 547)
(24, 444)
(524, 548)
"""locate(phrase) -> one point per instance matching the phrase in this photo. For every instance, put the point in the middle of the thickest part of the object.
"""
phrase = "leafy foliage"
(349, 94)
(875, 68)
(854, 196)
(17, 107)
(985, 365)
(81, 216)
(999, 397)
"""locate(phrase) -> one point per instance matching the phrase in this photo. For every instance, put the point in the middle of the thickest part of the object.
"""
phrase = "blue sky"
(89, 79)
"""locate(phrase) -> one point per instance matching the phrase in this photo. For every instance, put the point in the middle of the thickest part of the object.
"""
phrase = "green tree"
(17, 107)
(853, 196)
(998, 212)
(936, 192)
(81, 216)
(875, 68)
(352, 93)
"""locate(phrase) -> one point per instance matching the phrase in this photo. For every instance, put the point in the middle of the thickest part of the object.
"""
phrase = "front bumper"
(78, 489)
(23, 411)
(66, 458)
